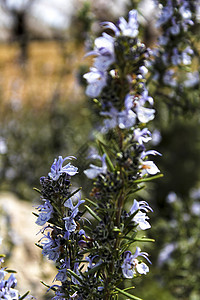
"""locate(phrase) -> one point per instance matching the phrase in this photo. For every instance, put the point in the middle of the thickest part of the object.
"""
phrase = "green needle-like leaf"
(22, 297)
(52, 288)
(144, 240)
(148, 178)
(72, 194)
(127, 294)
(74, 275)
(36, 215)
(93, 213)
(94, 269)
(91, 202)
(37, 190)
(10, 271)
(108, 160)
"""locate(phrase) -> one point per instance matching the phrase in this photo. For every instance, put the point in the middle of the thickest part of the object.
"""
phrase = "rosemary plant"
(94, 242)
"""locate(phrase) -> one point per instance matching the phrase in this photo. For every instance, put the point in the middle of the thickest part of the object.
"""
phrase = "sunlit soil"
(50, 69)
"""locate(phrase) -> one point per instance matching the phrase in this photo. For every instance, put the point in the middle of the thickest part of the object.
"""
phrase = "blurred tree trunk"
(20, 33)
(19, 30)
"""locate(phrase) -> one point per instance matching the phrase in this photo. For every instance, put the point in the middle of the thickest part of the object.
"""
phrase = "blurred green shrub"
(33, 137)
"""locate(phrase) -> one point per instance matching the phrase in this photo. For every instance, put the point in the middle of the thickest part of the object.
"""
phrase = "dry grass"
(49, 70)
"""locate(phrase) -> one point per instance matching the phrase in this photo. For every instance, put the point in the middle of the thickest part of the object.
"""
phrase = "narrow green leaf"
(124, 247)
(93, 213)
(37, 190)
(38, 245)
(100, 143)
(36, 215)
(128, 220)
(96, 101)
(74, 275)
(22, 297)
(108, 160)
(148, 178)
(126, 289)
(10, 271)
(127, 294)
(72, 194)
(48, 286)
(91, 202)
(89, 229)
(74, 288)
(144, 240)
(116, 229)
(56, 208)
(94, 269)
(135, 190)
(129, 288)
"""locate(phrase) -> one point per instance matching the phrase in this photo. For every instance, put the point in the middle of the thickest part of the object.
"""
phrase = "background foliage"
(44, 113)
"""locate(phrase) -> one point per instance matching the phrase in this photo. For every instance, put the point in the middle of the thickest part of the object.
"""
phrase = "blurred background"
(45, 113)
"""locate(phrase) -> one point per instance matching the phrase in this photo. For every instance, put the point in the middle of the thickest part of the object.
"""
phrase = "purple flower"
(175, 29)
(70, 224)
(142, 136)
(7, 287)
(166, 252)
(45, 213)
(124, 119)
(150, 152)
(191, 80)
(50, 247)
(131, 264)
(94, 171)
(148, 167)
(104, 50)
(166, 13)
(140, 205)
(183, 57)
(62, 272)
(129, 28)
(186, 55)
(144, 114)
(57, 169)
(169, 79)
(184, 11)
(96, 82)
(140, 217)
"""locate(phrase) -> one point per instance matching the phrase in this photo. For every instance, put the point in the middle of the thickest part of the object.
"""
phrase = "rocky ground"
(19, 233)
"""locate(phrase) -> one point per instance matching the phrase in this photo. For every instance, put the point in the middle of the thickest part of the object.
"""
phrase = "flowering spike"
(57, 169)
